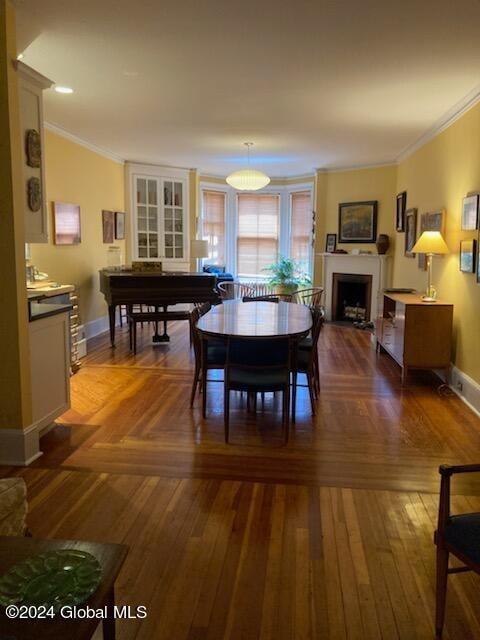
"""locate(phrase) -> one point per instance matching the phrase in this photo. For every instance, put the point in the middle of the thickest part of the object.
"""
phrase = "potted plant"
(287, 275)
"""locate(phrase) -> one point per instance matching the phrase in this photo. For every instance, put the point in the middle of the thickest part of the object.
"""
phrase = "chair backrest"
(311, 297)
(318, 320)
(197, 312)
(273, 297)
(234, 290)
(259, 353)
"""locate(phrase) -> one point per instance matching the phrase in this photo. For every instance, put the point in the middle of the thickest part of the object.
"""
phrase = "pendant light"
(248, 179)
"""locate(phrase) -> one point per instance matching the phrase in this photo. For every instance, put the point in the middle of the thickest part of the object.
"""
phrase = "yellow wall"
(437, 176)
(15, 386)
(80, 176)
(332, 188)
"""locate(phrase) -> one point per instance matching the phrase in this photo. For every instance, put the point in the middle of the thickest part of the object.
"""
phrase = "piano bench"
(153, 316)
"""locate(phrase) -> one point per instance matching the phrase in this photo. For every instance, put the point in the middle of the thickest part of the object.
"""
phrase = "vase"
(383, 242)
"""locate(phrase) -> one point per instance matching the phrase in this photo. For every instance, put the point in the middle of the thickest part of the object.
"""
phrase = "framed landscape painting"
(410, 232)
(66, 223)
(432, 221)
(470, 213)
(108, 226)
(357, 221)
(401, 208)
(468, 250)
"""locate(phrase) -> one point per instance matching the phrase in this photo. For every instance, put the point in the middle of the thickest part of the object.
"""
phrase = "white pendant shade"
(248, 180)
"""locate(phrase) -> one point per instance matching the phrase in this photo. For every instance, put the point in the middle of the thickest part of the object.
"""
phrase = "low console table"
(416, 334)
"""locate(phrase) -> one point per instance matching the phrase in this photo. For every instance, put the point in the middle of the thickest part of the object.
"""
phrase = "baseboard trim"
(19, 447)
(466, 388)
(96, 327)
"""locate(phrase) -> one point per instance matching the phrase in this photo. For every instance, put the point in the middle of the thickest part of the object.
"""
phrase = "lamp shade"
(430, 242)
(199, 249)
(248, 180)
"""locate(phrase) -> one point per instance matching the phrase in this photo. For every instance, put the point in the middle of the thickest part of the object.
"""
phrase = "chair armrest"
(449, 470)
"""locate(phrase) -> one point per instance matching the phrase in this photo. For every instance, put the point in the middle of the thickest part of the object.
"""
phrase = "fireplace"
(351, 297)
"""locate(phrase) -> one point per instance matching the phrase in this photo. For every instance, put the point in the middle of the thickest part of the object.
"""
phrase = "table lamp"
(199, 249)
(430, 243)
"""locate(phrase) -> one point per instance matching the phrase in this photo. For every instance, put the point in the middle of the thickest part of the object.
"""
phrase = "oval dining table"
(257, 319)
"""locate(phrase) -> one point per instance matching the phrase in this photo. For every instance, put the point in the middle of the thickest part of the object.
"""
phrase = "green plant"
(287, 273)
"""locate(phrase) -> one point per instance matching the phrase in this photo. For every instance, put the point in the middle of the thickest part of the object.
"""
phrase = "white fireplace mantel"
(371, 264)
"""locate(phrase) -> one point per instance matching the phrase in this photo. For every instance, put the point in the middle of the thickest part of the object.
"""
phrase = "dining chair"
(258, 365)
(213, 358)
(272, 297)
(234, 290)
(311, 297)
(306, 361)
(458, 535)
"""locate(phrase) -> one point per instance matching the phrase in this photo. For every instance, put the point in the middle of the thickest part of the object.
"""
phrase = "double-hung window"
(213, 225)
(257, 233)
(301, 228)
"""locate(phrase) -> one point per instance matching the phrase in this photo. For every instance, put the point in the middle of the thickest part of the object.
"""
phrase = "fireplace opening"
(351, 297)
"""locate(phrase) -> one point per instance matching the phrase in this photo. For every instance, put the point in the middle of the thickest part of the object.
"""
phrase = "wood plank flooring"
(328, 538)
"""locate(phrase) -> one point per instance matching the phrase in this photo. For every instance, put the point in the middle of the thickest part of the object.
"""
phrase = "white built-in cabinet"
(31, 85)
(158, 211)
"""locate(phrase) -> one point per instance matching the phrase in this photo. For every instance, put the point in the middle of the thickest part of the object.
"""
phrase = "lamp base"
(428, 299)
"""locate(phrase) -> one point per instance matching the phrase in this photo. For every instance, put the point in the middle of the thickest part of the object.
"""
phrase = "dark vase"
(383, 242)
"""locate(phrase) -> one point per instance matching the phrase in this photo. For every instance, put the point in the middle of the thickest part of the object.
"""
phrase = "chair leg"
(196, 376)
(294, 395)
(286, 411)
(441, 590)
(310, 391)
(226, 414)
(134, 337)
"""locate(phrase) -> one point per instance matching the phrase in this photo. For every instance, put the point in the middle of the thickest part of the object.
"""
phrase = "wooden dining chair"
(234, 290)
(258, 365)
(272, 297)
(213, 358)
(306, 362)
(311, 297)
(458, 535)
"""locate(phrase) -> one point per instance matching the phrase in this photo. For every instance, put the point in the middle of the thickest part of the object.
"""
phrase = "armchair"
(458, 535)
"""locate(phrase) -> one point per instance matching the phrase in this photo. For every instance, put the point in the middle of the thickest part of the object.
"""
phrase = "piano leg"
(164, 337)
(111, 317)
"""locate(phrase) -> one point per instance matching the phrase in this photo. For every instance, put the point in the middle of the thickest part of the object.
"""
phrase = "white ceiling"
(314, 83)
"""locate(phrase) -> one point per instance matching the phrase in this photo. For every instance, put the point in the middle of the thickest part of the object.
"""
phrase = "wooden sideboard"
(416, 334)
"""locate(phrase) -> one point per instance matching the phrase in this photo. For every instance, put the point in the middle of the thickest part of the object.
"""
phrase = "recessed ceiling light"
(20, 56)
(63, 90)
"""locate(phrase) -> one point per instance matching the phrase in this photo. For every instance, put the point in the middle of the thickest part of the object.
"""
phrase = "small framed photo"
(478, 262)
(401, 208)
(331, 243)
(468, 254)
(66, 223)
(108, 223)
(357, 222)
(410, 232)
(119, 225)
(470, 213)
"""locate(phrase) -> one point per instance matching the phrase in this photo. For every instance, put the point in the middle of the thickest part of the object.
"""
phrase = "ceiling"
(313, 83)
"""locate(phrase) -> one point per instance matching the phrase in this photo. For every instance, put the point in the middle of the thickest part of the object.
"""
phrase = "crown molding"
(452, 115)
(83, 143)
(356, 167)
(303, 177)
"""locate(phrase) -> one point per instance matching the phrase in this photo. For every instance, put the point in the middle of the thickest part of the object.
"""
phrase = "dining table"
(256, 319)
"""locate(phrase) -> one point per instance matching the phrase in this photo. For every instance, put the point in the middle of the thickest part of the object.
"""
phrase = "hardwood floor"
(329, 537)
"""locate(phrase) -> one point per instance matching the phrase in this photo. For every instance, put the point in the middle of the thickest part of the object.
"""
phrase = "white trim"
(83, 143)
(41, 81)
(96, 327)
(357, 167)
(452, 115)
(309, 177)
(468, 391)
(19, 447)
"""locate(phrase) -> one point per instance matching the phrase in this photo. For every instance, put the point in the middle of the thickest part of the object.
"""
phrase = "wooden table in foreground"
(110, 557)
(256, 320)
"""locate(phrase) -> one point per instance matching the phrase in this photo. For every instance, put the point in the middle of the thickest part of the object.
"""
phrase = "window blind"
(214, 225)
(258, 230)
(301, 228)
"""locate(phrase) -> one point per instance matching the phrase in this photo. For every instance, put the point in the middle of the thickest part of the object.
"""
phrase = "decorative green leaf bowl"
(66, 577)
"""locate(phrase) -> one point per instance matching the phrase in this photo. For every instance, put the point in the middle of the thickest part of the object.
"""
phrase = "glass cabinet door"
(173, 219)
(146, 205)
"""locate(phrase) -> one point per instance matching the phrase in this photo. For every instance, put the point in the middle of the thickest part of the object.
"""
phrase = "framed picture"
(331, 243)
(119, 225)
(468, 254)
(66, 223)
(470, 213)
(401, 208)
(410, 232)
(357, 222)
(478, 262)
(433, 221)
(108, 223)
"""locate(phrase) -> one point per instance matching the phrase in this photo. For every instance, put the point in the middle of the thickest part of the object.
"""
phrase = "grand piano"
(123, 286)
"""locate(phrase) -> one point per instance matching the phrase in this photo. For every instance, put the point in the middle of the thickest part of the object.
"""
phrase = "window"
(213, 222)
(258, 232)
(301, 228)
